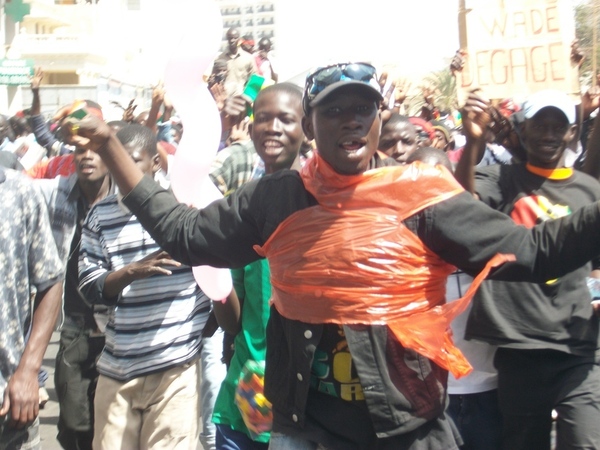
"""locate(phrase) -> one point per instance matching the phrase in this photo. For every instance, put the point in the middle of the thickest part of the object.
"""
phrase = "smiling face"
(546, 136)
(277, 129)
(346, 127)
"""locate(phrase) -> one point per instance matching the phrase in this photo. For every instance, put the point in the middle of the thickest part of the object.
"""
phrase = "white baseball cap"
(549, 98)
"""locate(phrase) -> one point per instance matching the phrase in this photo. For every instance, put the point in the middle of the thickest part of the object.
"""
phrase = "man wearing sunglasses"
(357, 343)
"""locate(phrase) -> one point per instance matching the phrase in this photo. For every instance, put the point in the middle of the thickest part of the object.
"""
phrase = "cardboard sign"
(517, 47)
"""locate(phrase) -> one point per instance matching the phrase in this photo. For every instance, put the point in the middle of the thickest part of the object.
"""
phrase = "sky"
(417, 37)
(408, 38)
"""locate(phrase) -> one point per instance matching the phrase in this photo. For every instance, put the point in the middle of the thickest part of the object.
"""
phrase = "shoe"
(44, 397)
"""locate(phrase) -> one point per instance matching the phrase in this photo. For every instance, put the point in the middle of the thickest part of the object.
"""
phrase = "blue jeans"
(280, 441)
(213, 374)
(228, 439)
(477, 417)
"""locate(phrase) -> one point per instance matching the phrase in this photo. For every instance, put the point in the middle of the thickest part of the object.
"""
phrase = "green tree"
(444, 86)
(586, 13)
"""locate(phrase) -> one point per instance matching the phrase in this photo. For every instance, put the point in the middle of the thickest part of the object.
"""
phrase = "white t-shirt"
(480, 354)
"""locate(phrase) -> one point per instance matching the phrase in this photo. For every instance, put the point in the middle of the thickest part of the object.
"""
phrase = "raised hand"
(128, 113)
(476, 116)
(239, 132)
(158, 94)
(577, 55)
(402, 86)
(218, 92)
(590, 101)
(458, 61)
(233, 111)
(37, 78)
(90, 132)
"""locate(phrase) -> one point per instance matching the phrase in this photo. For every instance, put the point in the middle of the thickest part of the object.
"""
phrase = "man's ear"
(307, 128)
(250, 129)
(572, 133)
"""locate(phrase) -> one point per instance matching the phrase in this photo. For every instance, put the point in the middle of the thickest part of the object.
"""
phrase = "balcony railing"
(54, 44)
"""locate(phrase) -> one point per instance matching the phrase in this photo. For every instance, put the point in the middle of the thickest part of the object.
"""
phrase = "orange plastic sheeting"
(351, 260)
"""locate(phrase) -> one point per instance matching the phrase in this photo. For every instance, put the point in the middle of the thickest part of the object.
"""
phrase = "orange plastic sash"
(351, 260)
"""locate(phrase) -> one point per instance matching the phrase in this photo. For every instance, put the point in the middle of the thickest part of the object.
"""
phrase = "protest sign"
(516, 47)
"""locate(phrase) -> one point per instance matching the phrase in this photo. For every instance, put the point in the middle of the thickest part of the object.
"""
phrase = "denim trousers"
(477, 417)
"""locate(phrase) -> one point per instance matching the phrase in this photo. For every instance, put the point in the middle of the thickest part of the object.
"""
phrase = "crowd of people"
(423, 281)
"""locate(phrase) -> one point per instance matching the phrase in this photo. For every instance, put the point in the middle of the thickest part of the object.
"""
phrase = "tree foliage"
(584, 31)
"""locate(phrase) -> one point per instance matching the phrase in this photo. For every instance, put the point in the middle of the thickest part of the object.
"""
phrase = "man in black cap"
(357, 347)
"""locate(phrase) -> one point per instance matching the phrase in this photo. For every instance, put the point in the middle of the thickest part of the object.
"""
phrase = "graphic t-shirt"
(556, 314)
(333, 371)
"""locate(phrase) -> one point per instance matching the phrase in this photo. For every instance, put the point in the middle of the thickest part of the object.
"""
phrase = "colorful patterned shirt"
(29, 261)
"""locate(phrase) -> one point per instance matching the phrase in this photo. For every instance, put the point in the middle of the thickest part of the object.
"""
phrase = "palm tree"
(586, 28)
(443, 86)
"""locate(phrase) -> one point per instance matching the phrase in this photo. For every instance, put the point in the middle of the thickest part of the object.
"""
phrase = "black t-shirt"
(553, 315)
(75, 303)
(333, 371)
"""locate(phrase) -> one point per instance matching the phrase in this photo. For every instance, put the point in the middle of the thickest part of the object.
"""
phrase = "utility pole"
(594, 37)
(462, 25)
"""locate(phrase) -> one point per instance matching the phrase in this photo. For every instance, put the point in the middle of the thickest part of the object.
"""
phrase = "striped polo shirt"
(155, 323)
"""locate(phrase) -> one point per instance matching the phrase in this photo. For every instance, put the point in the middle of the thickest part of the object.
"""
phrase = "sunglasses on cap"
(323, 77)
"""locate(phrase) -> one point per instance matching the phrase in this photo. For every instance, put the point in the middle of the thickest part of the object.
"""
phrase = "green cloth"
(253, 287)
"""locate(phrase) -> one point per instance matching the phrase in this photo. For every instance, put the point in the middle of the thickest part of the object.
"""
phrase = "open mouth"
(272, 146)
(86, 169)
(352, 145)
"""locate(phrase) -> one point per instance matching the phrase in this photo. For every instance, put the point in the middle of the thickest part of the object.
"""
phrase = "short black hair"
(288, 88)
(430, 155)
(396, 118)
(92, 104)
(264, 43)
(136, 134)
(19, 125)
(116, 125)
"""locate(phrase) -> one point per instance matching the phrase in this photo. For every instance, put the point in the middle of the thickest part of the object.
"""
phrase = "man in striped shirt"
(148, 385)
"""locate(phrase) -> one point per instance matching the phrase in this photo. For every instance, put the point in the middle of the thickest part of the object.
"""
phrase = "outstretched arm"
(36, 106)
(189, 235)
